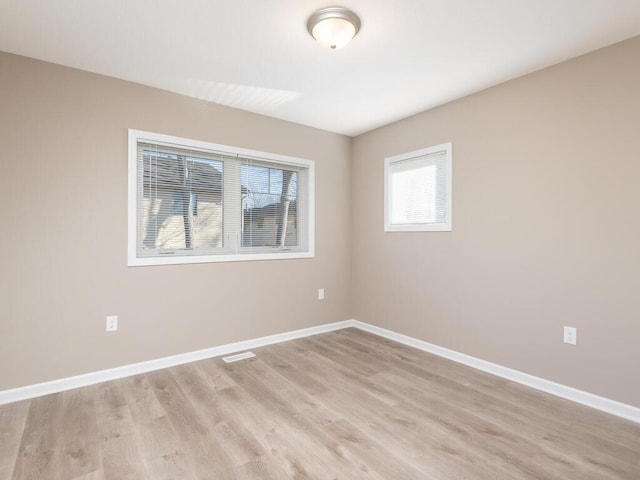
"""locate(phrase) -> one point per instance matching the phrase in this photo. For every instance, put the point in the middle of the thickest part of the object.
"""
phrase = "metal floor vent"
(239, 356)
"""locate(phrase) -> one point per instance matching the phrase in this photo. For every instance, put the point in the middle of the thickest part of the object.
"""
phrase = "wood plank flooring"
(342, 405)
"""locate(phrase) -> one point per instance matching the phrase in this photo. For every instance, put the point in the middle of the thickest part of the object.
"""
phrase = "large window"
(417, 188)
(192, 201)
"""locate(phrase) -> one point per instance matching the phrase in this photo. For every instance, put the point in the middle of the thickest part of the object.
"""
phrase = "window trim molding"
(447, 226)
(134, 136)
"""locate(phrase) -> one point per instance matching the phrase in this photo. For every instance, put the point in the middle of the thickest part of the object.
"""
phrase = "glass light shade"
(333, 27)
(333, 32)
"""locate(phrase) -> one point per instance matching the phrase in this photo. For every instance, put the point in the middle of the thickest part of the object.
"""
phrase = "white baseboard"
(55, 386)
(619, 409)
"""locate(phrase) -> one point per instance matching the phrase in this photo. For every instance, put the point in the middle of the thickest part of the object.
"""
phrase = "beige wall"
(63, 191)
(546, 226)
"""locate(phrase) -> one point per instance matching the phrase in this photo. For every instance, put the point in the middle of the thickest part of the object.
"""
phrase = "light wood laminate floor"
(342, 405)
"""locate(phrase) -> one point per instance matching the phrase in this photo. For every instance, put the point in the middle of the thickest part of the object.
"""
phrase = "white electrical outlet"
(112, 323)
(571, 335)
(321, 294)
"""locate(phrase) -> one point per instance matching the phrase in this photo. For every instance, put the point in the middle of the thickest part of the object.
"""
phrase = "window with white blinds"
(418, 190)
(193, 201)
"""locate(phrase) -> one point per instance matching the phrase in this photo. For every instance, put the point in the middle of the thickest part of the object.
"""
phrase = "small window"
(417, 187)
(192, 202)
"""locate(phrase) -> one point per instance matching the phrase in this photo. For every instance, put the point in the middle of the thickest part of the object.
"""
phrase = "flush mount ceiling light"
(333, 27)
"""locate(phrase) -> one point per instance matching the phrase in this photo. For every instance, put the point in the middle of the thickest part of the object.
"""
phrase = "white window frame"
(445, 226)
(241, 254)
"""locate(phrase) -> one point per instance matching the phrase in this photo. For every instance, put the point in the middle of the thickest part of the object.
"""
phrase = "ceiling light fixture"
(333, 27)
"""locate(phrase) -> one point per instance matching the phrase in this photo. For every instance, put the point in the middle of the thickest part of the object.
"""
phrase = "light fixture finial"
(333, 27)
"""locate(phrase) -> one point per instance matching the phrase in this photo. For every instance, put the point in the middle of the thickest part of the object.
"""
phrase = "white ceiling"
(257, 55)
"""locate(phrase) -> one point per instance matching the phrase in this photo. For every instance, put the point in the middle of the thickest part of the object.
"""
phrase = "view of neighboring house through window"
(172, 181)
(178, 203)
(269, 206)
(192, 201)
